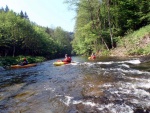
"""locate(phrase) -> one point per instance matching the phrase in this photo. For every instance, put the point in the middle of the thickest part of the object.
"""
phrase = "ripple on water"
(94, 87)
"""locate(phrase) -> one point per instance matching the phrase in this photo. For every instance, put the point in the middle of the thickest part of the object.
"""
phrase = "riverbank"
(134, 44)
(122, 52)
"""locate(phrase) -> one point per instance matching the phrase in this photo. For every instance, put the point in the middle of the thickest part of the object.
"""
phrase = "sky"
(48, 13)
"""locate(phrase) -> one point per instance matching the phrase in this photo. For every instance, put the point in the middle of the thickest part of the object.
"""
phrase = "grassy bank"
(134, 43)
(7, 61)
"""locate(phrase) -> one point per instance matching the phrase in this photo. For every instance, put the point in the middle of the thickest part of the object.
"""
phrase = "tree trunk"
(109, 21)
(6, 52)
(105, 43)
(14, 49)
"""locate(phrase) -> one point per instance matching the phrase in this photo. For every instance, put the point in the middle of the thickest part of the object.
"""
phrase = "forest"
(99, 26)
(20, 36)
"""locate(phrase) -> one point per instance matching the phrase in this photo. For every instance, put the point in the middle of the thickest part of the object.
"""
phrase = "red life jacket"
(68, 59)
(93, 56)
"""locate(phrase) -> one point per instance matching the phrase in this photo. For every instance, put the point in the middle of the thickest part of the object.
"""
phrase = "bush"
(105, 53)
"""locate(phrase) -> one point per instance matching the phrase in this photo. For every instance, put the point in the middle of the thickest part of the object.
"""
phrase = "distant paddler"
(92, 57)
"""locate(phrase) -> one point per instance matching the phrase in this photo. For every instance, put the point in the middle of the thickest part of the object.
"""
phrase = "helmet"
(24, 59)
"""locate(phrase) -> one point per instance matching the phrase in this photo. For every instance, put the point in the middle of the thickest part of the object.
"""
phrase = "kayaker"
(25, 62)
(93, 56)
(67, 58)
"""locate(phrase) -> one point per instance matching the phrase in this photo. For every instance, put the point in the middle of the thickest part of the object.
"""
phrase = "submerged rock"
(145, 59)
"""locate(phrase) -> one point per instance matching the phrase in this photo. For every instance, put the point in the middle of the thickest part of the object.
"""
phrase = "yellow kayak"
(59, 63)
(22, 66)
(89, 58)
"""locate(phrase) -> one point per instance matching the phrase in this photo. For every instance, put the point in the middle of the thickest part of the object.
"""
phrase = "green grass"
(131, 42)
(139, 33)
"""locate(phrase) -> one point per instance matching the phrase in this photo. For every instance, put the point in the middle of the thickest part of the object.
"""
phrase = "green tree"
(22, 14)
(6, 9)
(63, 40)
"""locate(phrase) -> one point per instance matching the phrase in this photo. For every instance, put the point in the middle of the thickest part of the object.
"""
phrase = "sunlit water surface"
(105, 85)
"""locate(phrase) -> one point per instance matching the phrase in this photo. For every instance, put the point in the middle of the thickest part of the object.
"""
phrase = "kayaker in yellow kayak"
(92, 57)
(67, 59)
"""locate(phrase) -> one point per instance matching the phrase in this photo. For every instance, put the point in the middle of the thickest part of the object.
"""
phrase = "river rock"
(145, 59)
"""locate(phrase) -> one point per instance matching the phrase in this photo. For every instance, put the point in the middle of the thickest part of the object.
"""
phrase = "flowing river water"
(105, 85)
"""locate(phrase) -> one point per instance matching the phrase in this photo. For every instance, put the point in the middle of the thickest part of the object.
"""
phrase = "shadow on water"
(105, 85)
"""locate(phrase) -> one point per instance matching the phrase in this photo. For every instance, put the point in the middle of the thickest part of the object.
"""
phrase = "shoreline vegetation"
(20, 36)
(116, 28)
(135, 44)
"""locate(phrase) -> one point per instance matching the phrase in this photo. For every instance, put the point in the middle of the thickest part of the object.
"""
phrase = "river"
(104, 85)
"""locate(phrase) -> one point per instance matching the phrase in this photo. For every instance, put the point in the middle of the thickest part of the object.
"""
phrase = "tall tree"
(22, 14)
(6, 9)
(26, 16)
(2, 9)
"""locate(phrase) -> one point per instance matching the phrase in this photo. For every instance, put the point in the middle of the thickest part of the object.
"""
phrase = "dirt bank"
(123, 51)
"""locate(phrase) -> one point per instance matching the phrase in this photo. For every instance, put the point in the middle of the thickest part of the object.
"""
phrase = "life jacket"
(25, 62)
(68, 59)
(93, 56)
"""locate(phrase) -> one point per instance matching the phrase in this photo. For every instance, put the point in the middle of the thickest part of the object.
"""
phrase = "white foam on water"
(116, 108)
(88, 64)
(107, 63)
(133, 71)
(102, 107)
(133, 61)
(49, 88)
(91, 85)
(136, 61)
(87, 103)
(142, 83)
(132, 88)
(74, 63)
(106, 85)
(76, 102)
(113, 108)
(90, 104)
(135, 101)
(124, 65)
(68, 100)
(136, 89)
